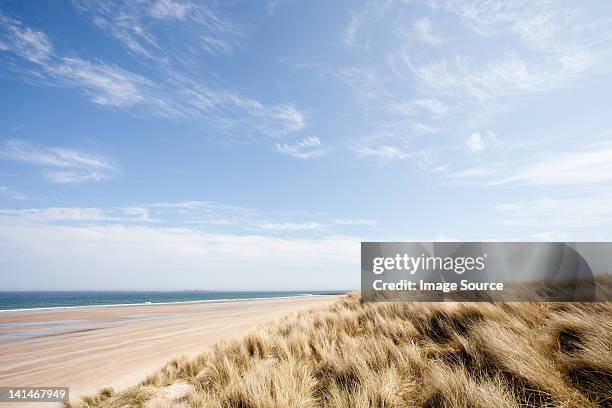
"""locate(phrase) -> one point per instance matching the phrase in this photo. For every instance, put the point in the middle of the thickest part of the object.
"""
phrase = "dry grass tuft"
(353, 354)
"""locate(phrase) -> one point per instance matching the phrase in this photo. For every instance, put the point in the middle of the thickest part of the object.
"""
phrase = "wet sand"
(87, 349)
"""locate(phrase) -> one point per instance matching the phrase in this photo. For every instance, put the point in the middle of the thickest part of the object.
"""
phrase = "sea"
(41, 300)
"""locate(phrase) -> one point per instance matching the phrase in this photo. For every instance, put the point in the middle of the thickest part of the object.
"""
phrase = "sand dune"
(354, 354)
(90, 348)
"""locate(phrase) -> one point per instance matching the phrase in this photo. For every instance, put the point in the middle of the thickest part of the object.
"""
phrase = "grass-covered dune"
(353, 354)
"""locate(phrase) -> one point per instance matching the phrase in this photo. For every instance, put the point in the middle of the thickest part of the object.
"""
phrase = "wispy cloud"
(31, 45)
(353, 28)
(423, 128)
(364, 81)
(291, 226)
(134, 214)
(307, 148)
(234, 113)
(433, 105)
(104, 84)
(187, 212)
(213, 214)
(361, 221)
(141, 213)
(471, 173)
(475, 142)
(558, 213)
(575, 166)
(273, 5)
(169, 9)
(423, 28)
(196, 204)
(209, 215)
(141, 255)
(592, 165)
(506, 76)
(12, 194)
(547, 46)
(136, 25)
(61, 165)
(524, 50)
(231, 111)
(173, 90)
(59, 214)
(387, 153)
(540, 24)
(355, 33)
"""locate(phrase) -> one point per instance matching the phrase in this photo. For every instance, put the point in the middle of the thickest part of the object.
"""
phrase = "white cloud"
(196, 204)
(551, 236)
(401, 108)
(141, 213)
(273, 5)
(291, 226)
(104, 84)
(75, 176)
(169, 9)
(232, 112)
(176, 93)
(12, 194)
(307, 148)
(364, 81)
(475, 143)
(522, 50)
(510, 75)
(292, 119)
(433, 105)
(540, 24)
(217, 214)
(471, 173)
(361, 221)
(30, 44)
(424, 32)
(355, 34)
(585, 166)
(588, 211)
(194, 212)
(423, 128)
(352, 30)
(163, 212)
(23, 151)
(213, 45)
(144, 257)
(578, 166)
(58, 214)
(61, 165)
(387, 153)
(190, 204)
(427, 108)
(199, 214)
(197, 27)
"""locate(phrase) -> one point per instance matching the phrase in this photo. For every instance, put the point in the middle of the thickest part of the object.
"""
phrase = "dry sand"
(90, 348)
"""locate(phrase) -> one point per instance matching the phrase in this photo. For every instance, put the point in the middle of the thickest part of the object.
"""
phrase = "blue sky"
(171, 144)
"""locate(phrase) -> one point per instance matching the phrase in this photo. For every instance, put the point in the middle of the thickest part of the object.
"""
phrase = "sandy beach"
(90, 348)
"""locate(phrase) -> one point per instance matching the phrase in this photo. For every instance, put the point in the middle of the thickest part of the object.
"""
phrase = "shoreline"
(185, 302)
(87, 349)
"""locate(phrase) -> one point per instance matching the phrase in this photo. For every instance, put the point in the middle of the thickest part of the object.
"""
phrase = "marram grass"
(353, 354)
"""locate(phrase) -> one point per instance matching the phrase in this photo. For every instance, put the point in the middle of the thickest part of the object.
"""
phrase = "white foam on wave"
(51, 308)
